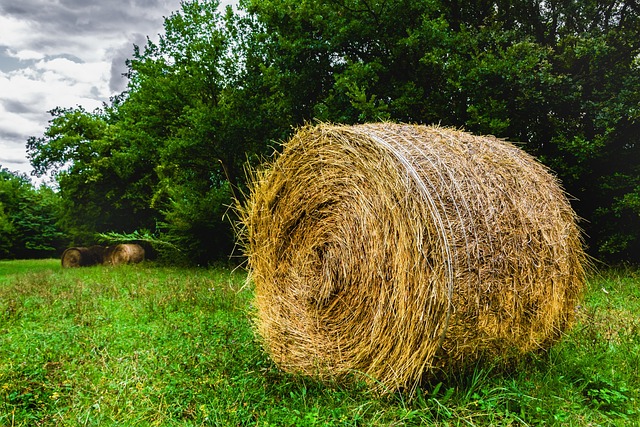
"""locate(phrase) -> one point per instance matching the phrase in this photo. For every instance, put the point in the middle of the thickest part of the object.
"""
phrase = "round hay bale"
(398, 250)
(72, 257)
(124, 253)
(82, 256)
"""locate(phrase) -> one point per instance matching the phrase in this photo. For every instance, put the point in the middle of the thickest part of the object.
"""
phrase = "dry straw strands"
(396, 250)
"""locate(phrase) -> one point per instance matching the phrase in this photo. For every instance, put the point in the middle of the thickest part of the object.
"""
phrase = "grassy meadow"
(147, 345)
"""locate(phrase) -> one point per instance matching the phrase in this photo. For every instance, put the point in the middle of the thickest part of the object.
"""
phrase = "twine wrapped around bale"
(82, 256)
(124, 253)
(396, 250)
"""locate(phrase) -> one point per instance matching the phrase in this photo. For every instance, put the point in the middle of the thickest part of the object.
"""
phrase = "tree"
(205, 106)
(560, 76)
(101, 175)
(176, 103)
(220, 90)
(28, 218)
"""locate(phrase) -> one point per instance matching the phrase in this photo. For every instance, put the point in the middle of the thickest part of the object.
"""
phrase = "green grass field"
(146, 345)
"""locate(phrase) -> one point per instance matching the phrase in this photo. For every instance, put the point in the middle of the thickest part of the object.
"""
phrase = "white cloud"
(25, 54)
(26, 96)
(74, 75)
(56, 82)
(65, 53)
(17, 33)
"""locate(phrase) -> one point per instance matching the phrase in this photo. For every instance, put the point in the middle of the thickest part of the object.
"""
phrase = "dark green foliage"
(28, 218)
(202, 141)
(219, 90)
(561, 77)
(198, 224)
(105, 182)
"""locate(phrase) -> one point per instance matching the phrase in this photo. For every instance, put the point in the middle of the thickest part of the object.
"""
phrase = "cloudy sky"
(65, 53)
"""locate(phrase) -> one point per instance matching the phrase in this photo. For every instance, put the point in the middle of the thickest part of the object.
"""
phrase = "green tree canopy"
(559, 76)
(104, 182)
(221, 89)
(28, 218)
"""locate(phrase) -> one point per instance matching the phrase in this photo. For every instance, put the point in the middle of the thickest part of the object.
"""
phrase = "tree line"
(221, 89)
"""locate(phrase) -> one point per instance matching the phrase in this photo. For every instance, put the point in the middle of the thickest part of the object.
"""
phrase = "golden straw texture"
(395, 250)
(124, 253)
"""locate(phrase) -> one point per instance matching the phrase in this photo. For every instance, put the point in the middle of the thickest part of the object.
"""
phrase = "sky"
(65, 53)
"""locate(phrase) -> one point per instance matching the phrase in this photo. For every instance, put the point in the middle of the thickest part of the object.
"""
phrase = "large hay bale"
(124, 253)
(397, 250)
(82, 256)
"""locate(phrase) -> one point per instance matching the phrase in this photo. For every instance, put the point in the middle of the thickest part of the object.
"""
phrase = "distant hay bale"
(72, 257)
(398, 250)
(82, 256)
(124, 253)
